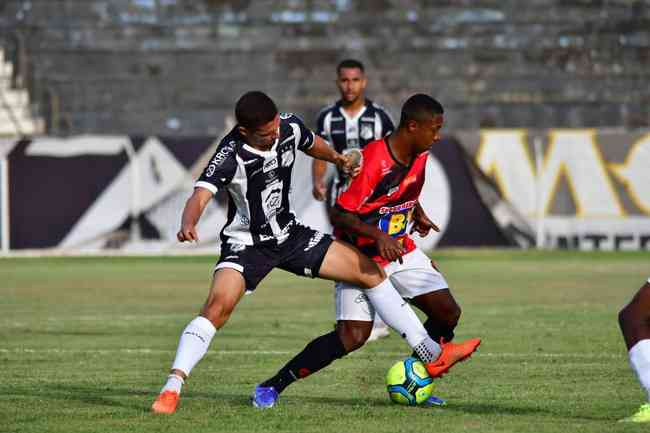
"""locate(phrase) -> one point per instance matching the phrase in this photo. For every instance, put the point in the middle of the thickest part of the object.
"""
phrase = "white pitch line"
(286, 352)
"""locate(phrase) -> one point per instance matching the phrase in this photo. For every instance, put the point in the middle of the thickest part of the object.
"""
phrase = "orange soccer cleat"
(451, 354)
(166, 402)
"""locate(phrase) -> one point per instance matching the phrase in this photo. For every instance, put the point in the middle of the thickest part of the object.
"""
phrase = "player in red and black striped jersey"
(378, 211)
(385, 196)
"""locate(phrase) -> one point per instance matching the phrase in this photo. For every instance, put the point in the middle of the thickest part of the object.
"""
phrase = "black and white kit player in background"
(350, 123)
(253, 163)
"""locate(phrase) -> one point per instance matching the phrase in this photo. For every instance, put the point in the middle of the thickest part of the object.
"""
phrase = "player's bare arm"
(321, 150)
(191, 213)
(422, 223)
(318, 170)
(389, 249)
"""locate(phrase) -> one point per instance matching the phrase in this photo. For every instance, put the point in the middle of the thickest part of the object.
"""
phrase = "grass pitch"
(85, 344)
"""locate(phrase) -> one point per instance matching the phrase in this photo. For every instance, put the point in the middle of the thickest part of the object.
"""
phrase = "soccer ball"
(408, 382)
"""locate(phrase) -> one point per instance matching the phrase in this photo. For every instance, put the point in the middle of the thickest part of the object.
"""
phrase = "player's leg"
(225, 292)
(379, 329)
(634, 320)
(354, 316)
(345, 263)
(442, 313)
(337, 260)
(419, 280)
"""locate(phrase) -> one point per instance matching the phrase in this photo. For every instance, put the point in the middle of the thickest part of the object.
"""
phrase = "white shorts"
(415, 277)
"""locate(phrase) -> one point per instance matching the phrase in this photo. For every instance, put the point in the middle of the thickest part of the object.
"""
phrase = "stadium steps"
(15, 113)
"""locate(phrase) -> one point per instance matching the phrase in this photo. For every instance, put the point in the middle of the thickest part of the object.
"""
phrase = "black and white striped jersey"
(258, 183)
(371, 123)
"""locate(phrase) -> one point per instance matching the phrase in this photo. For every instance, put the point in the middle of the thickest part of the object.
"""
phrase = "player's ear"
(412, 125)
(243, 131)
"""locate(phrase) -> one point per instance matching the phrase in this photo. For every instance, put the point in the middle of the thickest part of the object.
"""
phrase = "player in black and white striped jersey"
(350, 123)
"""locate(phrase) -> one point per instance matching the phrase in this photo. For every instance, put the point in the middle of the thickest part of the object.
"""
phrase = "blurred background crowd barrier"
(115, 104)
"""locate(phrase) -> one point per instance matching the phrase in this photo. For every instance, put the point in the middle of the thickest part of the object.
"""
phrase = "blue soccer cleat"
(434, 401)
(264, 397)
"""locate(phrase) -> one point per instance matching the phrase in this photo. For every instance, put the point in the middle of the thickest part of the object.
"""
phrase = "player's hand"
(350, 162)
(422, 225)
(319, 191)
(389, 249)
(187, 234)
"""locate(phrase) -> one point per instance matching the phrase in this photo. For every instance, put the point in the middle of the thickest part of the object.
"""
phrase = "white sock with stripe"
(399, 315)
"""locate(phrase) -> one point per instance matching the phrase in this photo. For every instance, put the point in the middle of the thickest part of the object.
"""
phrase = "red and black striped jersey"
(384, 194)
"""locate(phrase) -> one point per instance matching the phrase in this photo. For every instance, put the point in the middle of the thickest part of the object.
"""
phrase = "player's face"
(427, 132)
(351, 83)
(264, 136)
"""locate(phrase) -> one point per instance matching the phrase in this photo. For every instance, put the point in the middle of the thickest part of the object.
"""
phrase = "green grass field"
(85, 344)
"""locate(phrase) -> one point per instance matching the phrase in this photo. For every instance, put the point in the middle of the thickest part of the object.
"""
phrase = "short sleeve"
(387, 122)
(221, 168)
(304, 136)
(321, 131)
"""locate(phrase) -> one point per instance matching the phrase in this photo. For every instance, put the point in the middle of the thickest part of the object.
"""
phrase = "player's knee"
(371, 275)
(450, 315)
(353, 335)
(217, 312)
(625, 316)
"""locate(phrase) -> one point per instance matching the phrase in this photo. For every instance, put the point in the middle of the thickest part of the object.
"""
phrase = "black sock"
(318, 354)
(437, 332)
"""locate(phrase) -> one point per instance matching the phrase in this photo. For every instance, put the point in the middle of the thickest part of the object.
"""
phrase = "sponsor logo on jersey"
(235, 248)
(315, 239)
(220, 157)
(367, 132)
(270, 164)
(400, 207)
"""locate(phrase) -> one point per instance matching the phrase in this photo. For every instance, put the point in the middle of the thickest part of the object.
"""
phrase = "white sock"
(640, 362)
(174, 383)
(399, 315)
(193, 345)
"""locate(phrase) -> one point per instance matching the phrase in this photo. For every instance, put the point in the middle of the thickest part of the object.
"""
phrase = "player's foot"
(451, 354)
(642, 415)
(166, 402)
(434, 401)
(264, 397)
(379, 332)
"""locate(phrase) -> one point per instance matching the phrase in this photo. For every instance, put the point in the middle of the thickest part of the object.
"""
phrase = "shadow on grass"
(140, 400)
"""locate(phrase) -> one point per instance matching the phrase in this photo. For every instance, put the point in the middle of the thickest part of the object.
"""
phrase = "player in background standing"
(350, 123)
(634, 320)
(375, 213)
(253, 163)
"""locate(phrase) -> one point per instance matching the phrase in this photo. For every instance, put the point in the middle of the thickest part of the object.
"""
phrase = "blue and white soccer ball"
(408, 382)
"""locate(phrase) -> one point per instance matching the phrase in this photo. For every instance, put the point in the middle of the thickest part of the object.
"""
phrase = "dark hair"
(419, 107)
(349, 64)
(254, 109)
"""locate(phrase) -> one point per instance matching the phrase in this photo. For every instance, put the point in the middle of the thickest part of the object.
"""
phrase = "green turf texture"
(86, 343)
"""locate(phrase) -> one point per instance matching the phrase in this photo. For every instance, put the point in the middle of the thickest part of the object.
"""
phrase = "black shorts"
(301, 254)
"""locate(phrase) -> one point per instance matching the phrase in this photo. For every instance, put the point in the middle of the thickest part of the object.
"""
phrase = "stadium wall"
(582, 189)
